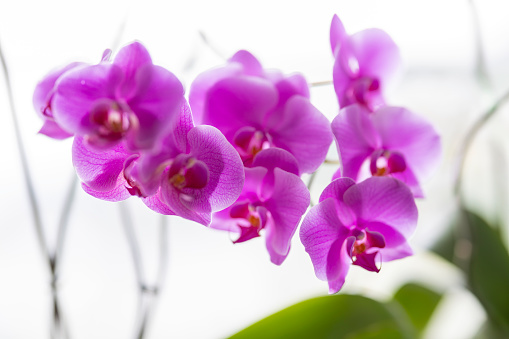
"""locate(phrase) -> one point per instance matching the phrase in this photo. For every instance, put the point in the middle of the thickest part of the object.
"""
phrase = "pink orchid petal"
(337, 34)
(77, 92)
(356, 138)
(400, 252)
(130, 59)
(154, 203)
(303, 131)
(117, 193)
(156, 105)
(384, 200)
(289, 201)
(234, 103)
(204, 82)
(101, 171)
(251, 65)
(52, 130)
(319, 230)
(336, 190)
(409, 178)
(405, 132)
(338, 262)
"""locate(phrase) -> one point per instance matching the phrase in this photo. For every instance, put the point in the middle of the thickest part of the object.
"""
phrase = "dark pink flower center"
(112, 119)
(362, 245)
(188, 172)
(385, 162)
(252, 220)
(249, 141)
(363, 90)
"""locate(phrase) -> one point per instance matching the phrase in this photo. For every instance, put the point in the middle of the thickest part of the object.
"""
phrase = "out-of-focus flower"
(365, 64)
(274, 199)
(257, 109)
(195, 172)
(359, 224)
(129, 99)
(391, 141)
(42, 101)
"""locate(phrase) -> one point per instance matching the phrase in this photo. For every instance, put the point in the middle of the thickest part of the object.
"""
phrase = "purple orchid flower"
(195, 172)
(359, 224)
(42, 101)
(129, 99)
(257, 109)
(365, 64)
(273, 199)
(391, 141)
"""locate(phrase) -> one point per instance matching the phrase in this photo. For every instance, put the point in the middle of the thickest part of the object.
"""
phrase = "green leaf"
(488, 270)
(419, 303)
(337, 316)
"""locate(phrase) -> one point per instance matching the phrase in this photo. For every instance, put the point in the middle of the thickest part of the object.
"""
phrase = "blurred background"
(213, 288)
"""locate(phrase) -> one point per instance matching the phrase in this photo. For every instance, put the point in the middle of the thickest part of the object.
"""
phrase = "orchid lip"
(188, 172)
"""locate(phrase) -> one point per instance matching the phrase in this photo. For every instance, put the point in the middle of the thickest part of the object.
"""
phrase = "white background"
(214, 288)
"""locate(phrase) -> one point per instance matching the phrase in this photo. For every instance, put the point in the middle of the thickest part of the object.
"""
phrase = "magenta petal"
(367, 261)
(290, 200)
(154, 203)
(409, 178)
(130, 59)
(338, 265)
(287, 87)
(319, 230)
(237, 102)
(303, 131)
(77, 92)
(226, 170)
(405, 132)
(100, 171)
(156, 105)
(337, 34)
(356, 138)
(52, 130)
(45, 90)
(336, 190)
(376, 53)
(402, 251)
(203, 83)
(391, 234)
(251, 65)
(384, 200)
(117, 193)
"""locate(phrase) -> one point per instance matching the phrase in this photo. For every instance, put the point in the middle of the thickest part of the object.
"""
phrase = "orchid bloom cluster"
(366, 215)
(233, 156)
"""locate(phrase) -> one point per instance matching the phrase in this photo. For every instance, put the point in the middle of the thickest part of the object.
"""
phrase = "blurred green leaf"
(444, 247)
(488, 270)
(337, 316)
(419, 303)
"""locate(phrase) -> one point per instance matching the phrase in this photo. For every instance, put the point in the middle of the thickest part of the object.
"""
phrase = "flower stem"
(320, 83)
(470, 136)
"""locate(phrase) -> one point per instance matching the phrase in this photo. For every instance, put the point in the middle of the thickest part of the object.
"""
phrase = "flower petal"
(51, 129)
(318, 232)
(303, 131)
(356, 138)
(336, 190)
(251, 65)
(385, 200)
(403, 131)
(338, 265)
(154, 203)
(337, 34)
(234, 103)
(289, 201)
(130, 59)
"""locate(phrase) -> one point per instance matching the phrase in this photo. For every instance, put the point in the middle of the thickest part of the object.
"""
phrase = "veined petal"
(154, 203)
(356, 138)
(403, 131)
(51, 129)
(319, 230)
(303, 131)
(336, 190)
(117, 193)
(78, 90)
(289, 201)
(101, 171)
(338, 265)
(234, 103)
(385, 200)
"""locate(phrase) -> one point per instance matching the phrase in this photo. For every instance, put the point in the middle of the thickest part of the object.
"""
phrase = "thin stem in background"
(469, 138)
(320, 83)
(480, 60)
(127, 223)
(34, 206)
(211, 46)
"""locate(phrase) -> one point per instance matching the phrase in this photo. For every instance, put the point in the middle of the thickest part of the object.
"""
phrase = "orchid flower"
(361, 224)
(391, 141)
(257, 109)
(128, 99)
(194, 173)
(273, 200)
(365, 64)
